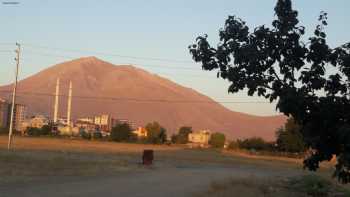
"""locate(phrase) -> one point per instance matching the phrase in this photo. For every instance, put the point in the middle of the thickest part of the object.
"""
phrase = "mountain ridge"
(151, 95)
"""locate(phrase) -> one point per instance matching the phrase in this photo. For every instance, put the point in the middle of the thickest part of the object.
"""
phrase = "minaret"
(55, 115)
(69, 104)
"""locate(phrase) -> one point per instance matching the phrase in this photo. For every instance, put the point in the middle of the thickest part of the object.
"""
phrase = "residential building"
(86, 125)
(121, 121)
(104, 122)
(38, 121)
(18, 116)
(87, 119)
(4, 114)
(199, 138)
(140, 132)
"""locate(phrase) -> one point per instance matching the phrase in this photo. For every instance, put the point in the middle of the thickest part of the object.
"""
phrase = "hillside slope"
(128, 92)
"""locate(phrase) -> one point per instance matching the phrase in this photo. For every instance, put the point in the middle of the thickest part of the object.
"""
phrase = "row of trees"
(288, 139)
(156, 134)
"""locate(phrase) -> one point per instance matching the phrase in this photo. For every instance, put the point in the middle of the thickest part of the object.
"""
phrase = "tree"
(182, 136)
(3, 130)
(289, 138)
(156, 134)
(309, 80)
(233, 145)
(121, 133)
(217, 140)
(255, 143)
(46, 130)
(33, 131)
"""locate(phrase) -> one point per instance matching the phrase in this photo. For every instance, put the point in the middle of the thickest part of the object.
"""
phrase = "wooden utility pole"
(18, 52)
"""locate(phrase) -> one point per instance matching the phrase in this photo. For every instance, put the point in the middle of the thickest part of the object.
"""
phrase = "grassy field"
(35, 158)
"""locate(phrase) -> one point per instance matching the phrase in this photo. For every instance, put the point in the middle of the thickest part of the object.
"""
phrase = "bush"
(255, 143)
(217, 140)
(46, 130)
(233, 145)
(33, 131)
(122, 133)
(312, 185)
(97, 135)
(85, 135)
(4, 131)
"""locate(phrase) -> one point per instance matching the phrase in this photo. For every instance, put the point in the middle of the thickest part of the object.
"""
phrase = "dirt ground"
(65, 167)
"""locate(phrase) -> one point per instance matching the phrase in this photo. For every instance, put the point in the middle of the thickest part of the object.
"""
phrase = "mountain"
(131, 93)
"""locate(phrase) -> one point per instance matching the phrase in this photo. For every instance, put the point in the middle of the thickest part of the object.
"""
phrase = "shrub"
(97, 135)
(4, 131)
(255, 143)
(217, 140)
(233, 145)
(46, 130)
(85, 135)
(121, 133)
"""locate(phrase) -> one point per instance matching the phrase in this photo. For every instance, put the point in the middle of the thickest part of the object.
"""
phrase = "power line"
(135, 64)
(130, 99)
(110, 54)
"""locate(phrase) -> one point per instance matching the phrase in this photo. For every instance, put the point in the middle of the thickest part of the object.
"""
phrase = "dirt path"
(157, 182)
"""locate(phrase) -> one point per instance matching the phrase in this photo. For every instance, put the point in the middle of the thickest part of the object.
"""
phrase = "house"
(199, 138)
(35, 122)
(38, 121)
(105, 122)
(19, 115)
(140, 132)
(4, 113)
(86, 125)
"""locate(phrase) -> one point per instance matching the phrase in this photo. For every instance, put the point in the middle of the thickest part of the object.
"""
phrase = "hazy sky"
(152, 29)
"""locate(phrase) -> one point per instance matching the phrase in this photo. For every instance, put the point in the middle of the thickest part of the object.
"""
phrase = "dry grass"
(305, 186)
(34, 158)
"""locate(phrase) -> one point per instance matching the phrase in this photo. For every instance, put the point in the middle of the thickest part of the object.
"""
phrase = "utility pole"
(69, 106)
(18, 52)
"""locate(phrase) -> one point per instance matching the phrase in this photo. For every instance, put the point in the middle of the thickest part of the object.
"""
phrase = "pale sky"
(114, 30)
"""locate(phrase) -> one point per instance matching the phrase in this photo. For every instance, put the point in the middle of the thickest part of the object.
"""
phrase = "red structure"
(147, 157)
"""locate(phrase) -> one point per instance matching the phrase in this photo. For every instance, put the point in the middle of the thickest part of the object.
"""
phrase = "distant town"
(97, 125)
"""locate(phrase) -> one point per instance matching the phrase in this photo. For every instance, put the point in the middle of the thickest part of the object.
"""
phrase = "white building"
(199, 138)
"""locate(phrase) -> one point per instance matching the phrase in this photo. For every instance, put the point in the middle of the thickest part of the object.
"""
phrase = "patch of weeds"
(317, 186)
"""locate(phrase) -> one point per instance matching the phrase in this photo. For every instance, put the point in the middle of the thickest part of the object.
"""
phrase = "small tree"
(156, 134)
(121, 133)
(289, 138)
(217, 140)
(182, 136)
